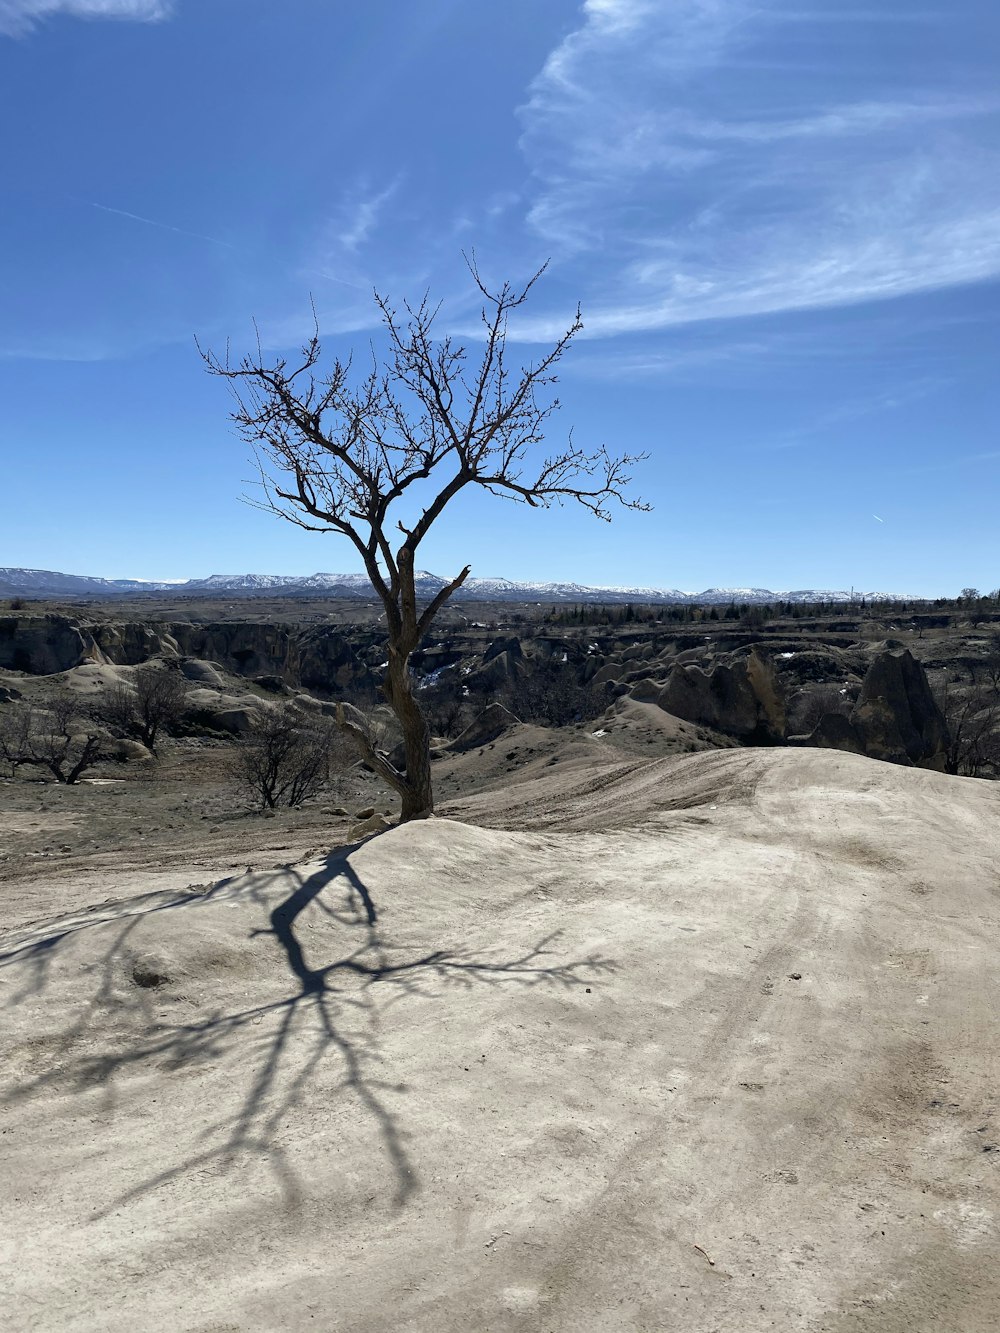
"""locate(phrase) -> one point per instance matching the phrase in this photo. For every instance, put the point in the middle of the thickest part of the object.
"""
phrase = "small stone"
(796, 976)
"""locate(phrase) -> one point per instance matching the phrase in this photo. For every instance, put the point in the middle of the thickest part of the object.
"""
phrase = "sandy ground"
(700, 1043)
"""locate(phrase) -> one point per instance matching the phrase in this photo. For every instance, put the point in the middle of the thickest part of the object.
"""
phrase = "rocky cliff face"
(316, 658)
(43, 645)
(741, 694)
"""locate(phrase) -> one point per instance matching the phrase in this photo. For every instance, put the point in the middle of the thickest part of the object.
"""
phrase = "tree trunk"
(417, 794)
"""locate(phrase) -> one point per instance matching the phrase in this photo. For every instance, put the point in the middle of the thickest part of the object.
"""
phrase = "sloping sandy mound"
(725, 1059)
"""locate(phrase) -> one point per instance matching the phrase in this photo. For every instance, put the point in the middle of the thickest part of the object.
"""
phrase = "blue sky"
(781, 218)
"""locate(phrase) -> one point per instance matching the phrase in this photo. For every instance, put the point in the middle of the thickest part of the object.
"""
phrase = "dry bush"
(812, 704)
(63, 738)
(973, 717)
(286, 758)
(151, 703)
(552, 694)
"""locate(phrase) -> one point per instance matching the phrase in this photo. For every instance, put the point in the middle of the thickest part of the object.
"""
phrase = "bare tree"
(340, 453)
(62, 738)
(552, 694)
(814, 702)
(284, 758)
(973, 717)
(153, 701)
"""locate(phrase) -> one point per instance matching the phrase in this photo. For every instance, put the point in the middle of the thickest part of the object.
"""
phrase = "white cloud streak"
(704, 204)
(18, 17)
(161, 226)
(360, 216)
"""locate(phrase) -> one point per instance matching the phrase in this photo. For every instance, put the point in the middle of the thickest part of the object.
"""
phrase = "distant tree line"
(971, 605)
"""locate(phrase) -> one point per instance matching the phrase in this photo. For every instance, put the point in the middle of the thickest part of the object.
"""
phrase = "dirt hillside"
(699, 1043)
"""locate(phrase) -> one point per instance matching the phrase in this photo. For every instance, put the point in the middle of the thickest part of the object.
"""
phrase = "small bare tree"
(339, 453)
(62, 738)
(152, 702)
(973, 717)
(284, 758)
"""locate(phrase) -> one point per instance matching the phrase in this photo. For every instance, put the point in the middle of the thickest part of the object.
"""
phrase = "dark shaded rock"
(490, 724)
(318, 658)
(834, 731)
(326, 659)
(591, 665)
(237, 721)
(273, 684)
(542, 646)
(130, 643)
(44, 645)
(897, 716)
(494, 674)
(646, 689)
(741, 697)
(610, 672)
(511, 645)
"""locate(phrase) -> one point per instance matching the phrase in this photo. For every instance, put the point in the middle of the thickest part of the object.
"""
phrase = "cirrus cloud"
(18, 17)
(724, 159)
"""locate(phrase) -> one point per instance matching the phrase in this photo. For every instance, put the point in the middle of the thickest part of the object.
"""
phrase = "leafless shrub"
(285, 758)
(814, 703)
(973, 717)
(151, 703)
(447, 709)
(63, 738)
(552, 694)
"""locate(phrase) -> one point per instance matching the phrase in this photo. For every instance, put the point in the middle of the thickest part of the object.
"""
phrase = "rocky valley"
(682, 1002)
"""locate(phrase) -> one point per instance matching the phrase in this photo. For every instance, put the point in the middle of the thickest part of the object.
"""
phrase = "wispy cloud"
(18, 17)
(163, 226)
(716, 199)
(359, 215)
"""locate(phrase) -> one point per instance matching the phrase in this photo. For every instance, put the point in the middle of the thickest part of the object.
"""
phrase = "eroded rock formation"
(740, 697)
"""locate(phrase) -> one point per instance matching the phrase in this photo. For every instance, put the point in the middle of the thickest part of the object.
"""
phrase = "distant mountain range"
(47, 583)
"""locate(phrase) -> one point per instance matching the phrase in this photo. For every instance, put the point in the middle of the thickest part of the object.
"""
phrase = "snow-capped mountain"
(39, 582)
(47, 583)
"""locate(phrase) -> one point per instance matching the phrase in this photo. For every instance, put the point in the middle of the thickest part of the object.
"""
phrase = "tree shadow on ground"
(330, 1013)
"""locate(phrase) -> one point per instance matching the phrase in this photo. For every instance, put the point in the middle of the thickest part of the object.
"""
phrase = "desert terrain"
(649, 1028)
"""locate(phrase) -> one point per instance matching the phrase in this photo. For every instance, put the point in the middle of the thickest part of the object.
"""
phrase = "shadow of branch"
(332, 1013)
